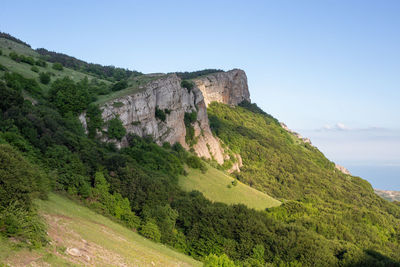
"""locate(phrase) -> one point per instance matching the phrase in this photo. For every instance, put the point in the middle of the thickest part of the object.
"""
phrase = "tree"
(19, 180)
(94, 120)
(68, 96)
(58, 66)
(115, 129)
(160, 114)
(119, 85)
(44, 77)
(187, 84)
(213, 260)
(151, 231)
(9, 97)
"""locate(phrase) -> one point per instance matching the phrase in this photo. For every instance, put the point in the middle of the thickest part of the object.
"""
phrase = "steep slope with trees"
(326, 219)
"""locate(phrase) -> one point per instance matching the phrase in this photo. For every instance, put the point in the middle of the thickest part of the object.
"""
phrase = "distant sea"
(380, 177)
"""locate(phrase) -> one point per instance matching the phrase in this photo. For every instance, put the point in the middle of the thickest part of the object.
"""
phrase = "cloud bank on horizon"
(357, 146)
(339, 126)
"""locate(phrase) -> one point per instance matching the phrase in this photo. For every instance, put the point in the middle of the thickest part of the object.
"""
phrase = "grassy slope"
(135, 85)
(214, 186)
(25, 69)
(101, 241)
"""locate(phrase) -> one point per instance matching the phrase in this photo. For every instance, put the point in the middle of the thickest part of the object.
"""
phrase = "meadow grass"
(103, 241)
(217, 186)
(135, 85)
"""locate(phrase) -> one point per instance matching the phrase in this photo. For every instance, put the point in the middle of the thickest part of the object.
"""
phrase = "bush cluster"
(57, 66)
(189, 119)
(160, 114)
(187, 84)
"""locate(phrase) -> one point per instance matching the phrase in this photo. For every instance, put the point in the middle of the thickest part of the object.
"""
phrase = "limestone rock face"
(226, 87)
(137, 110)
(342, 169)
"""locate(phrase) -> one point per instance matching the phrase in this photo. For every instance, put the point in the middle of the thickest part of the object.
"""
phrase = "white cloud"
(336, 127)
(342, 127)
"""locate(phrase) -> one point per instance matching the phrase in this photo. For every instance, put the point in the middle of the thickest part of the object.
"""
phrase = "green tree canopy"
(69, 96)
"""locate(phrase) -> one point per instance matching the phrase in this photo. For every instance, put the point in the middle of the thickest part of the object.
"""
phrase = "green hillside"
(325, 218)
(25, 69)
(218, 187)
(100, 241)
(316, 196)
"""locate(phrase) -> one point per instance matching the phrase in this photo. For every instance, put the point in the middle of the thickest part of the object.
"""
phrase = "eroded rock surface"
(226, 87)
(137, 110)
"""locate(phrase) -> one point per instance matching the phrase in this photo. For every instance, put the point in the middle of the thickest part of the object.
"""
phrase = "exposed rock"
(226, 87)
(342, 169)
(237, 165)
(137, 110)
(74, 252)
(303, 139)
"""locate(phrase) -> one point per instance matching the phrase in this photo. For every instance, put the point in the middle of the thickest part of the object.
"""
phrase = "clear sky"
(328, 69)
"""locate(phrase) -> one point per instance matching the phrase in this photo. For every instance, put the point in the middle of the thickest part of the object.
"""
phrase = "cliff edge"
(137, 110)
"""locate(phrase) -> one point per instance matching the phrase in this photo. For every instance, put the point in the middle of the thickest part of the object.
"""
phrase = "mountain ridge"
(326, 218)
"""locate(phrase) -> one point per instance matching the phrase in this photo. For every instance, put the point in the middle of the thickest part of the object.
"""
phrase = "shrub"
(94, 120)
(69, 96)
(44, 77)
(41, 63)
(119, 85)
(160, 114)
(1, 52)
(28, 60)
(3, 68)
(213, 260)
(187, 84)
(196, 163)
(20, 181)
(115, 129)
(14, 56)
(118, 104)
(58, 66)
(22, 224)
(19, 83)
(234, 182)
(34, 69)
(189, 119)
(151, 231)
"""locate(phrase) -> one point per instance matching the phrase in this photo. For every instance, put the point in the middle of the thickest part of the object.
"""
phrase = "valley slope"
(156, 153)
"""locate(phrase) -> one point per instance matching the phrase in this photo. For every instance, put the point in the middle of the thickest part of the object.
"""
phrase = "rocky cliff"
(226, 87)
(137, 110)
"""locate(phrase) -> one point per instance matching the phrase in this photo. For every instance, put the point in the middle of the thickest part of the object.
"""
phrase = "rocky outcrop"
(137, 110)
(342, 169)
(303, 139)
(226, 87)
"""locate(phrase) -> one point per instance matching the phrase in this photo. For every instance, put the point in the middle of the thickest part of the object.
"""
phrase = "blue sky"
(312, 64)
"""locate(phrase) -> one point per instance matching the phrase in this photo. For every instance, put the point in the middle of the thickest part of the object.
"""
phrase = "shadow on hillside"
(375, 259)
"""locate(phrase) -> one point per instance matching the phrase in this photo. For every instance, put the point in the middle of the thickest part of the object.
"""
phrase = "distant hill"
(389, 195)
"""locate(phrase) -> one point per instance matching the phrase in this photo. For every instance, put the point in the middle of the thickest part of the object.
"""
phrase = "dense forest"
(326, 219)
